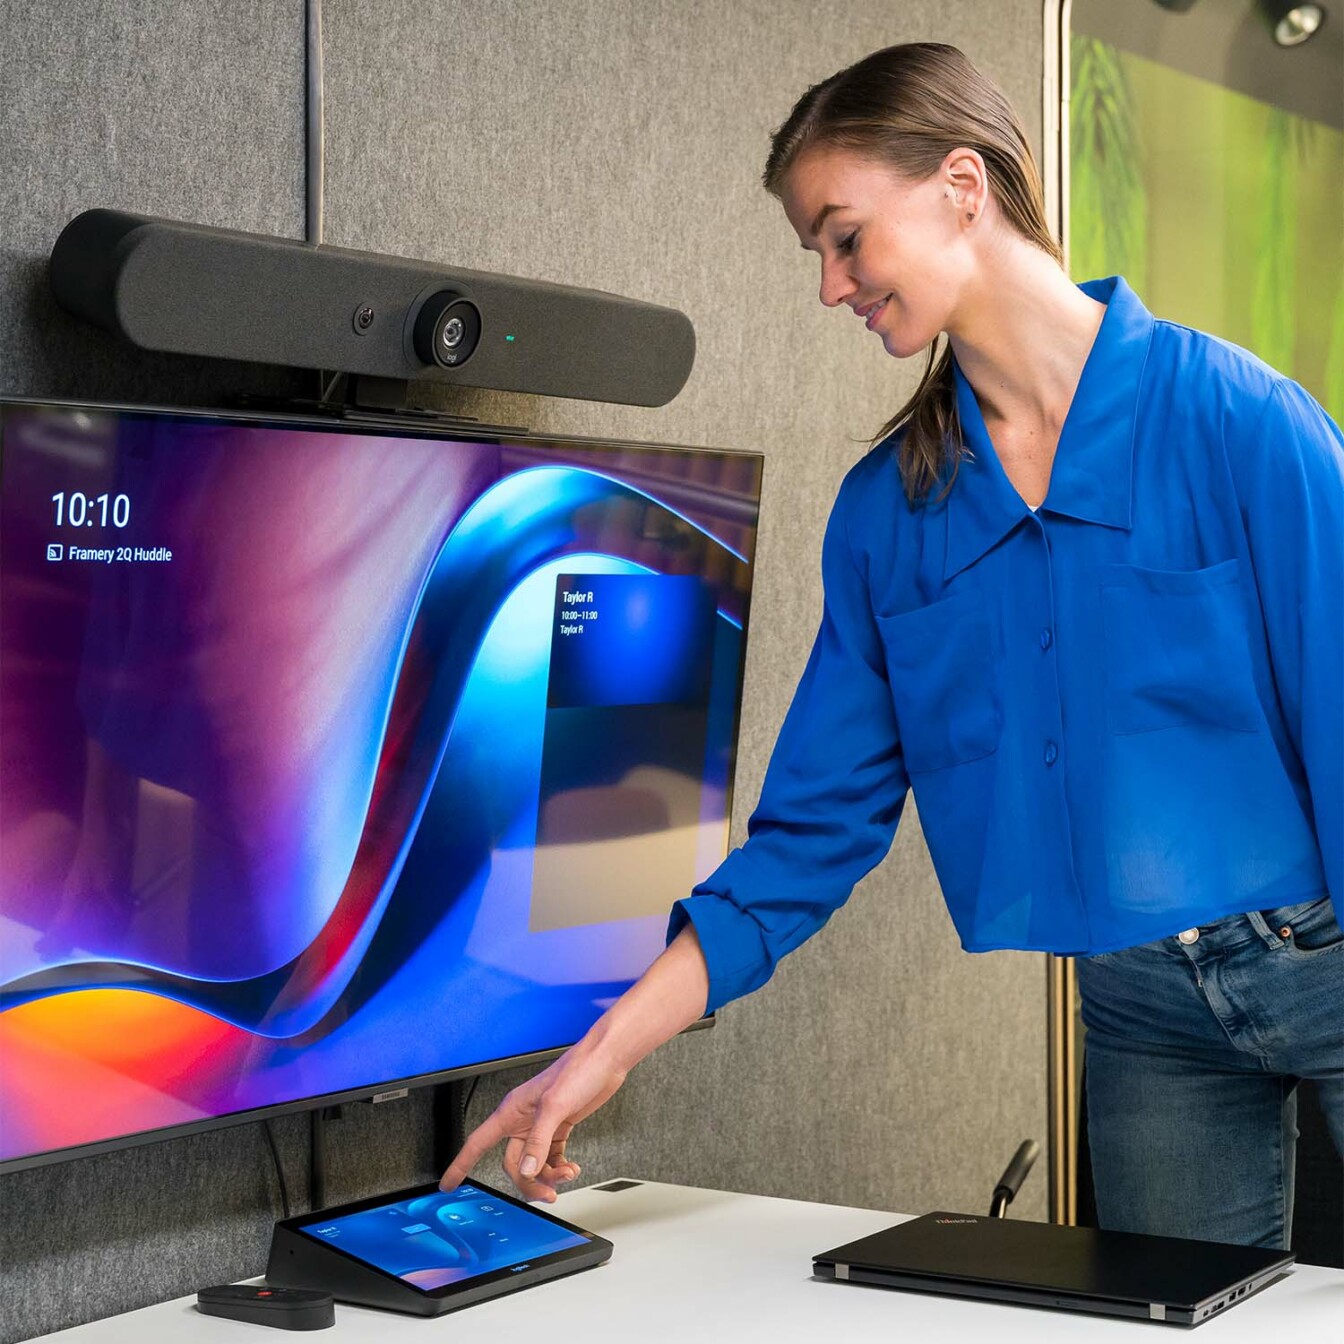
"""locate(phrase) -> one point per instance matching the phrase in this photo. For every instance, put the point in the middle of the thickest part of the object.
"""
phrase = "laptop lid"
(1164, 1278)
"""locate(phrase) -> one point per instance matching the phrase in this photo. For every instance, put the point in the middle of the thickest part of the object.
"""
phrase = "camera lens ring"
(447, 330)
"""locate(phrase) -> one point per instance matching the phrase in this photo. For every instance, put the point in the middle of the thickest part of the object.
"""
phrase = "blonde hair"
(908, 107)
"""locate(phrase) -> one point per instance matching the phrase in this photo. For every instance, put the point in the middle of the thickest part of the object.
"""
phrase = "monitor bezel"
(363, 422)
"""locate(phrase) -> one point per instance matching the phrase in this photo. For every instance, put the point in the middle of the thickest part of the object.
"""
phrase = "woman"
(1087, 599)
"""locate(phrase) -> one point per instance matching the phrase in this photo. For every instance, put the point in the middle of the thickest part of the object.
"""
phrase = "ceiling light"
(1292, 24)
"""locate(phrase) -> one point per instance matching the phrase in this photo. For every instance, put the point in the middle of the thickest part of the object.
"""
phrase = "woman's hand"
(536, 1118)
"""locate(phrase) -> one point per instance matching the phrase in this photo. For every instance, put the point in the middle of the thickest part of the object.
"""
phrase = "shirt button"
(1046, 638)
(1051, 753)
(1188, 936)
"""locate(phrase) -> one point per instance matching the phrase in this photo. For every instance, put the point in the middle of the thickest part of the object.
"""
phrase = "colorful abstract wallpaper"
(334, 758)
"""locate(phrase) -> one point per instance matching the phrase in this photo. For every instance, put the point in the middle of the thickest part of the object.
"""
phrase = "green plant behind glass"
(1108, 203)
(1223, 212)
(1288, 142)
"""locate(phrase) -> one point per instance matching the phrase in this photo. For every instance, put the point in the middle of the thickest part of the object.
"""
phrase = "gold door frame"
(1061, 980)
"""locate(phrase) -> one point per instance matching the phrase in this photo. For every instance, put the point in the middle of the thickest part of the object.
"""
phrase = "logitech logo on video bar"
(956, 1220)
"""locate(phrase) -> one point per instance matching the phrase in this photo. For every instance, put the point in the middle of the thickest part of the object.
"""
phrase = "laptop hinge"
(1157, 1311)
(842, 1271)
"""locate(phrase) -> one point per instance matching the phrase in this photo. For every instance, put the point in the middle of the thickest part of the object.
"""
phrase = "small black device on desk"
(428, 1251)
(259, 1303)
(1169, 1279)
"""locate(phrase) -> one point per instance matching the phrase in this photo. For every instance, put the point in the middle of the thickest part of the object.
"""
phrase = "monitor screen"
(335, 757)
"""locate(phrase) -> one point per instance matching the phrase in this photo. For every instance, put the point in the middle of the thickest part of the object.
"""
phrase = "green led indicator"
(508, 338)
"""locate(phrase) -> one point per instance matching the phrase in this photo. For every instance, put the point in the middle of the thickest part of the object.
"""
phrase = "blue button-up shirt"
(1121, 715)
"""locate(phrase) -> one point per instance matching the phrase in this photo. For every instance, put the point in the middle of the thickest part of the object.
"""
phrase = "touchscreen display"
(441, 1238)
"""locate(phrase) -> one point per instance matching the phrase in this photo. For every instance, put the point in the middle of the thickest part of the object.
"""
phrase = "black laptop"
(1044, 1265)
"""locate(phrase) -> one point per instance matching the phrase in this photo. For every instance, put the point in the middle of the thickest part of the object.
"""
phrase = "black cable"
(329, 387)
(466, 1101)
(279, 1167)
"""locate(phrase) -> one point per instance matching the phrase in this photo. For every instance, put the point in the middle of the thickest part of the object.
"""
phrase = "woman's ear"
(968, 183)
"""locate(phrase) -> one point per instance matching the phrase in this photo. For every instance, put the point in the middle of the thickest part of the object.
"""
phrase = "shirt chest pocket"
(944, 684)
(1176, 649)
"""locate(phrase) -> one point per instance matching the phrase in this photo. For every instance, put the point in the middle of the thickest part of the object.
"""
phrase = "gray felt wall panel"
(191, 109)
(616, 144)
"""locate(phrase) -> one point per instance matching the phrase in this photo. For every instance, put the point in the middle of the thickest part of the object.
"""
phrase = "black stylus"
(284, 1308)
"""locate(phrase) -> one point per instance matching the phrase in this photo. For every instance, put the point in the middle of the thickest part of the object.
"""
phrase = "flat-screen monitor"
(336, 756)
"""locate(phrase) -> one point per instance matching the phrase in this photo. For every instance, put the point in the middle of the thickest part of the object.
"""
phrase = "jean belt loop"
(1267, 935)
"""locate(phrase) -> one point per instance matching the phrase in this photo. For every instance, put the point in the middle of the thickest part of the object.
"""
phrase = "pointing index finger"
(479, 1142)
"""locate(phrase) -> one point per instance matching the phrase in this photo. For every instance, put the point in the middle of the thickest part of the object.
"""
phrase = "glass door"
(1201, 155)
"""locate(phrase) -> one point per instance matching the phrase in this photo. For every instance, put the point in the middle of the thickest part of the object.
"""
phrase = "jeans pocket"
(1311, 926)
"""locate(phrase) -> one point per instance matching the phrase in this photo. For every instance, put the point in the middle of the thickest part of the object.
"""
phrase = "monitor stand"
(450, 1133)
(450, 1122)
(317, 1154)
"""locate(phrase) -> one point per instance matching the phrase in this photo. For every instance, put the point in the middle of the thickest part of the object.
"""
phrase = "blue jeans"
(1195, 1045)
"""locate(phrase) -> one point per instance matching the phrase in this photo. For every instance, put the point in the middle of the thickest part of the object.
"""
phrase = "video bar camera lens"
(447, 330)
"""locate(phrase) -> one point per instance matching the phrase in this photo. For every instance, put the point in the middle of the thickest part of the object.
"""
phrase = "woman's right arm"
(537, 1116)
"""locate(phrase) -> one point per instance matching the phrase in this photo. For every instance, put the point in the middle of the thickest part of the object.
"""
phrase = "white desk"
(705, 1266)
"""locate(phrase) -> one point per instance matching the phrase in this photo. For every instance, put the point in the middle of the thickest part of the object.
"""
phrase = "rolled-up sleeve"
(831, 801)
(1290, 481)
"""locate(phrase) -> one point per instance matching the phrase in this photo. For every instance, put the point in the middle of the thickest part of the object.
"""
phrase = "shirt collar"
(1092, 476)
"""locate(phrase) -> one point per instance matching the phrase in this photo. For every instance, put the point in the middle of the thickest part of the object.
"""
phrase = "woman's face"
(893, 250)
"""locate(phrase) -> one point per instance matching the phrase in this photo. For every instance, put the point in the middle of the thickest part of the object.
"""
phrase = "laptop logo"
(956, 1220)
